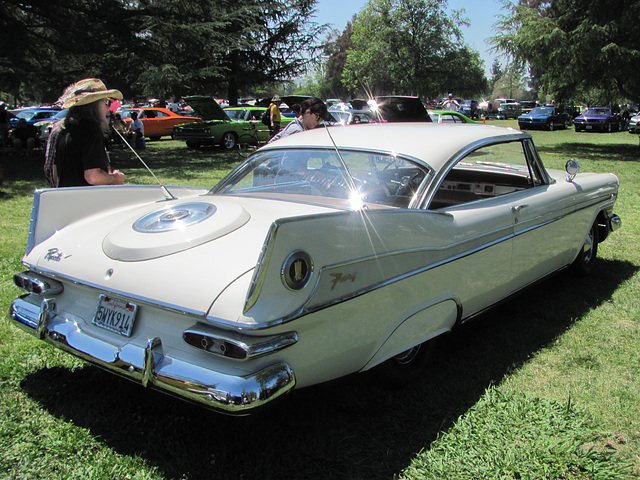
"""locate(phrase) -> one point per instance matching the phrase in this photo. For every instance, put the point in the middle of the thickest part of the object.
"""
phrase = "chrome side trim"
(259, 273)
(153, 368)
(35, 207)
(309, 309)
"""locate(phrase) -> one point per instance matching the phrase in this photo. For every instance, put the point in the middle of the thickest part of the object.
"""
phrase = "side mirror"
(572, 168)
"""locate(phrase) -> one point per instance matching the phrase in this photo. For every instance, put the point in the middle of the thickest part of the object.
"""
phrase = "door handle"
(517, 208)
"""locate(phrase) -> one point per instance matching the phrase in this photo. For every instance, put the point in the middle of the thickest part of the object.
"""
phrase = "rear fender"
(419, 327)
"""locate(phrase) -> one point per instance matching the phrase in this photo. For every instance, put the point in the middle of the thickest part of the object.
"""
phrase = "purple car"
(603, 119)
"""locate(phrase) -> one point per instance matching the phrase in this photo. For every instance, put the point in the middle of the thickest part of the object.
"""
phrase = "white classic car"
(326, 253)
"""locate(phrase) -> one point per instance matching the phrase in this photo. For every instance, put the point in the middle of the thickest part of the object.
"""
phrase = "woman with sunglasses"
(311, 112)
(78, 153)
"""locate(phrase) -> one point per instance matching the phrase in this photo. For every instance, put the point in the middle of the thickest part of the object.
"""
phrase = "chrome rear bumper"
(149, 366)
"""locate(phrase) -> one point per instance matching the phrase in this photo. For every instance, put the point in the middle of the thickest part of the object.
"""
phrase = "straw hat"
(87, 91)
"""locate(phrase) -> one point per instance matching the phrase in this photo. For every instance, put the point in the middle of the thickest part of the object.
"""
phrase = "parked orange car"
(158, 122)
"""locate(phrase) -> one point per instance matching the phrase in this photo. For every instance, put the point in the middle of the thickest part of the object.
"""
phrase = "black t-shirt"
(25, 132)
(80, 148)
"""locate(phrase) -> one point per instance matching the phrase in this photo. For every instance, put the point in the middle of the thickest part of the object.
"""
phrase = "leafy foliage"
(55, 42)
(172, 47)
(411, 47)
(576, 46)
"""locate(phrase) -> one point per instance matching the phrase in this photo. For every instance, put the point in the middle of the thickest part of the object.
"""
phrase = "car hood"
(539, 115)
(206, 107)
(601, 117)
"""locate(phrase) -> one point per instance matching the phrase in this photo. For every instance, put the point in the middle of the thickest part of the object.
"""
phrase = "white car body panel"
(267, 287)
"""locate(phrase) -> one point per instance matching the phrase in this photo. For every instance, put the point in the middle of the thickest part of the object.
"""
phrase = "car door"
(152, 124)
(480, 232)
(503, 188)
(543, 234)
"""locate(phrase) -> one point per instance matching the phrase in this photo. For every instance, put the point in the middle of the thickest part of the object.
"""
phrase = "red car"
(158, 122)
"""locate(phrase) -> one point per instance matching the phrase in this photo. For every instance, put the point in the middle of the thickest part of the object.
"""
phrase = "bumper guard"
(149, 366)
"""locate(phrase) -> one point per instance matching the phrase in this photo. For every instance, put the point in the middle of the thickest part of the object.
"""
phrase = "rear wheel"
(407, 366)
(584, 262)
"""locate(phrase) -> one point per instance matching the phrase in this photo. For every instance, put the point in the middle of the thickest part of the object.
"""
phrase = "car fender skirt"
(151, 367)
(419, 327)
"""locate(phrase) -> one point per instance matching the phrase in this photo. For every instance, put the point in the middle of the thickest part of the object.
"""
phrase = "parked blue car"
(546, 118)
(32, 115)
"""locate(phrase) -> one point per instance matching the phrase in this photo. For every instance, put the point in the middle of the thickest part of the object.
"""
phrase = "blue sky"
(481, 14)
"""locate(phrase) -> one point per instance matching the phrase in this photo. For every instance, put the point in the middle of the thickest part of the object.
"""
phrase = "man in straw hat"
(78, 149)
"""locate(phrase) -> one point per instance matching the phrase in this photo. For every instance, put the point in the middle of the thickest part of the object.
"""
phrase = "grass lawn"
(545, 386)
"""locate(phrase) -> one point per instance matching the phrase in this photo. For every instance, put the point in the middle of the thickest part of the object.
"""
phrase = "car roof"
(433, 143)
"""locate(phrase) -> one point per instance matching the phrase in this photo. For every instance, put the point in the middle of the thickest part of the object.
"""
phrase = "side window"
(160, 114)
(487, 172)
(447, 118)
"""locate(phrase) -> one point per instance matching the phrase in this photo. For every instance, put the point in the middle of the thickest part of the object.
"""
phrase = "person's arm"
(97, 176)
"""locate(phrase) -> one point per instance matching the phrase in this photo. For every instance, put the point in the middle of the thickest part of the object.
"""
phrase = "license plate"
(115, 315)
(589, 127)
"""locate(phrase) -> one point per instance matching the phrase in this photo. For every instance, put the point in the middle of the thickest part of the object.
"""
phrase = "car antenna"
(167, 193)
(352, 185)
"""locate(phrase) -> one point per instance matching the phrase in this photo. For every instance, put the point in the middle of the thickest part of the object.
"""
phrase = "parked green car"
(446, 116)
(224, 127)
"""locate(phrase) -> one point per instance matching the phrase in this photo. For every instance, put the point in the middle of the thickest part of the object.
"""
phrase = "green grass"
(545, 386)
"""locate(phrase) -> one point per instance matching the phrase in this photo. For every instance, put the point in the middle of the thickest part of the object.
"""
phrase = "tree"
(336, 50)
(165, 46)
(275, 40)
(496, 72)
(228, 46)
(574, 47)
(411, 47)
(48, 45)
(512, 83)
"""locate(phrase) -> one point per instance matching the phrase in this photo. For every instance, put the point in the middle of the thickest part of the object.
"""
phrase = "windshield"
(127, 113)
(26, 114)
(598, 111)
(542, 111)
(356, 180)
(347, 117)
(236, 114)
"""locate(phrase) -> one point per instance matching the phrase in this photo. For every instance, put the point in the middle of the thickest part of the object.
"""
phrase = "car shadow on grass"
(621, 152)
(351, 428)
